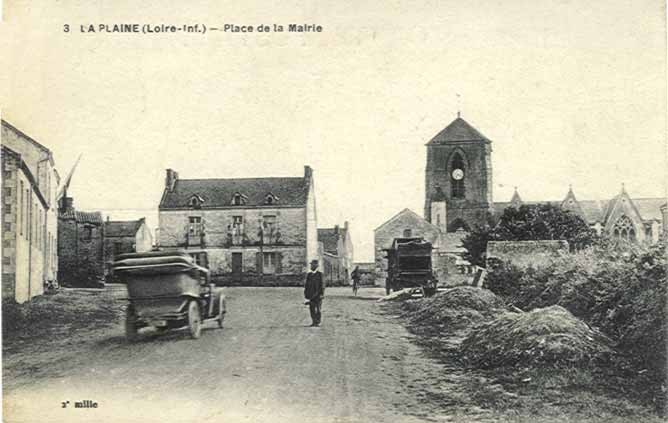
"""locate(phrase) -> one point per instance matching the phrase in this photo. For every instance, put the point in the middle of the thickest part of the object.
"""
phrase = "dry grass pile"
(457, 307)
(54, 314)
(545, 337)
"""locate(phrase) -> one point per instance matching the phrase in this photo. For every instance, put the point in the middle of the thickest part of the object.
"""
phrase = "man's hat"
(315, 261)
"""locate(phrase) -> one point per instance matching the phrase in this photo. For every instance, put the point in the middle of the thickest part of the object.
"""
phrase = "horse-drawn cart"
(167, 290)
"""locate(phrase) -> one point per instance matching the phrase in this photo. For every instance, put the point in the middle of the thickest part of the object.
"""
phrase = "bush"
(619, 289)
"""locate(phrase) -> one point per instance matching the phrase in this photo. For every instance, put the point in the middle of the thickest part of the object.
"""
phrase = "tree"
(529, 223)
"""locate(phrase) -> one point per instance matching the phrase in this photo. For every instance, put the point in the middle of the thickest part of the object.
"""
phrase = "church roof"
(458, 130)
(599, 210)
(649, 208)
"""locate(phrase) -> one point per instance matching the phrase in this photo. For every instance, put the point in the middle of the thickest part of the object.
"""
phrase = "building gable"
(622, 205)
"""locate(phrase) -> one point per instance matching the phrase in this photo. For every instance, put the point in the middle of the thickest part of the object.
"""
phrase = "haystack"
(461, 306)
(544, 337)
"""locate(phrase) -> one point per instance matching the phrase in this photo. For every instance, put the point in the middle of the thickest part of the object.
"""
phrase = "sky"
(569, 92)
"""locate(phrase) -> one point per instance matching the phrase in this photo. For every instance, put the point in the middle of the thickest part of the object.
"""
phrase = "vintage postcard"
(333, 211)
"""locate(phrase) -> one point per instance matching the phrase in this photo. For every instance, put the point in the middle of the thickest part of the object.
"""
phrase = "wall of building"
(290, 248)
(525, 253)
(311, 222)
(291, 271)
(81, 261)
(174, 225)
(144, 239)
(24, 224)
(477, 181)
(334, 271)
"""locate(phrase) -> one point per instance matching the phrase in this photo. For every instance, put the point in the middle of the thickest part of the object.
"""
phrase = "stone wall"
(477, 181)
(290, 272)
(24, 234)
(525, 253)
(174, 225)
(81, 262)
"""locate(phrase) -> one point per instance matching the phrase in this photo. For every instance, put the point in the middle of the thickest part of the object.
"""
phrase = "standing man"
(314, 292)
(356, 279)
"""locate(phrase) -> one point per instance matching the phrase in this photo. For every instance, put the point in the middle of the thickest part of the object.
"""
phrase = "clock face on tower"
(457, 174)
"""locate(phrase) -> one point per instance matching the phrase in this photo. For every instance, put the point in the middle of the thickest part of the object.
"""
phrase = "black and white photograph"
(334, 211)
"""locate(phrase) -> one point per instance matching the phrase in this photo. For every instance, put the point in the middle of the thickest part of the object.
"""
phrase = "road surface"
(266, 365)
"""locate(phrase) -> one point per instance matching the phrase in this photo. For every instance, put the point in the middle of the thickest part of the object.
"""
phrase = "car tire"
(131, 332)
(194, 320)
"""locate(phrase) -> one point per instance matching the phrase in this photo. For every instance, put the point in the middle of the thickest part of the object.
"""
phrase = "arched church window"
(457, 172)
(624, 229)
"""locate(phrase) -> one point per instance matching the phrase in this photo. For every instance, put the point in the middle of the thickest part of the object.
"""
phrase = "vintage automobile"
(409, 266)
(167, 290)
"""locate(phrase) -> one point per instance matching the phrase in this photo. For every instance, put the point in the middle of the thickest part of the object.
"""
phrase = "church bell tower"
(459, 169)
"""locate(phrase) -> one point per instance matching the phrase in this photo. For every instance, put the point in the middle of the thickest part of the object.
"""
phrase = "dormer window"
(270, 199)
(196, 201)
(238, 199)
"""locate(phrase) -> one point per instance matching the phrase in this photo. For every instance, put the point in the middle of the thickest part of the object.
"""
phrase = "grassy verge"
(525, 394)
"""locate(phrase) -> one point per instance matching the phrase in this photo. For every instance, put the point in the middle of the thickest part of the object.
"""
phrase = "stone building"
(337, 247)
(80, 238)
(634, 219)
(458, 177)
(29, 224)
(458, 191)
(125, 236)
(246, 230)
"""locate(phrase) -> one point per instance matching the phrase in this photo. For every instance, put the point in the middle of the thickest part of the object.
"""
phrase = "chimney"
(346, 226)
(336, 229)
(308, 172)
(170, 180)
(108, 219)
(66, 204)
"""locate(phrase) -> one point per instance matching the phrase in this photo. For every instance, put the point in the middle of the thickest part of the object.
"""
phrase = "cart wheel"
(130, 324)
(194, 320)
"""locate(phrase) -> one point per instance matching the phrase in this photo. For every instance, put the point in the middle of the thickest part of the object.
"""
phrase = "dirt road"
(265, 365)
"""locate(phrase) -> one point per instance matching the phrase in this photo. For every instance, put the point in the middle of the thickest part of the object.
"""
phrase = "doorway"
(237, 264)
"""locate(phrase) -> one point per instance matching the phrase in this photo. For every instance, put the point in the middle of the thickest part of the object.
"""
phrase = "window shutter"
(258, 262)
(279, 262)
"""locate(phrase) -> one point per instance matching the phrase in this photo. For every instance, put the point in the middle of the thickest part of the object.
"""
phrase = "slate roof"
(458, 130)
(291, 192)
(82, 217)
(599, 210)
(329, 239)
(649, 208)
(127, 228)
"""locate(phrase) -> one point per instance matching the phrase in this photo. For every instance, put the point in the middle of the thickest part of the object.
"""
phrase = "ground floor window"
(271, 262)
(118, 248)
(200, 259)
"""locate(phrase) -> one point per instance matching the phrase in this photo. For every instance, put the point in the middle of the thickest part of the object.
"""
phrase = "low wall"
(525, 253)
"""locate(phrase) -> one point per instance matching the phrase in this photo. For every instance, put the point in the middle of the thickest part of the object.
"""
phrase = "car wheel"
(131, 324)
(194, 320)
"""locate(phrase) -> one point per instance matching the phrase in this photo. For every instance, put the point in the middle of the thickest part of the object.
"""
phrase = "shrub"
(620, 289)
